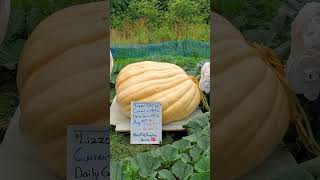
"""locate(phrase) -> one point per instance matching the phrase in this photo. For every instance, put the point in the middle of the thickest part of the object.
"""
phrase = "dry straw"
(297, 113)
(203, 97)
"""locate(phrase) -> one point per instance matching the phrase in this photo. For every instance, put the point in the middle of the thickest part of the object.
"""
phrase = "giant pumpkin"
(158, 81)
(251, 110)
(62, 79)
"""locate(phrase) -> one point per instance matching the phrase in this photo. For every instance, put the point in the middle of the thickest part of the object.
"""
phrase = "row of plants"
(187, 158)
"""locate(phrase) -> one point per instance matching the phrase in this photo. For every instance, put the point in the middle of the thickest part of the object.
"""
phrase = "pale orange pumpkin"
(62, 79)
(162, 82)
(251, 110)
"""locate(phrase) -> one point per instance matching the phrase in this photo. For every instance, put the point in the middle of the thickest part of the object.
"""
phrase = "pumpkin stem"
(203, 97)
(297, 112)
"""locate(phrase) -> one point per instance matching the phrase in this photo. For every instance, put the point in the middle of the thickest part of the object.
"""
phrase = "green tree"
(183, 11)
(145, 9)
(204, 8)
(162, 5)
(119, 12)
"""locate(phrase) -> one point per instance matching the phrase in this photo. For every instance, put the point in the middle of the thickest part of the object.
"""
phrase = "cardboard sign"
(88, 153)
(146, 123)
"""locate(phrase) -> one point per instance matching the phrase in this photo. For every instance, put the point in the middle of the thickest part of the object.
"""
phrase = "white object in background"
(111, 62)
(4, 17)
(205, 78)
(17, 157)
(303, 66)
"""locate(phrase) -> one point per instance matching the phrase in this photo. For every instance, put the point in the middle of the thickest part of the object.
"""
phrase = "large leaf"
(195, 153)
(203, 165)
(116, 170)
(200, 176)
(131, 172)
(10, 52)
(193, 137)
(185, 158)
(312, 166)
(147, 164)
(292, 173)
(168, 153)
(8, 99)
(198, 123)
(206, 130)
(182, 170)
(204, 142)
(166, 174)
(151, 178)
(182, 145)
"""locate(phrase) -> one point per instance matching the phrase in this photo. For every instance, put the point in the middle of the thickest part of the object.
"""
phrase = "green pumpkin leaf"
(147, 164)
(200, 176)
(185, 158)
(312, 166)
(198, 122)
(10, 53)
(204, 142)
(195, 153)
(154, 153)
(182, 145)
(203, 165)
(166, 174)
(182, 170)
(116, 170)
(192, 138)
(292, 173)
(152, 178)
(168, 153)
(206, 131)
(131, 172)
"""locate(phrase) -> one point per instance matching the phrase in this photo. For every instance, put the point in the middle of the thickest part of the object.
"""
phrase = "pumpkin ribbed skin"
(158, 81)
(250, 104)
(61, 79)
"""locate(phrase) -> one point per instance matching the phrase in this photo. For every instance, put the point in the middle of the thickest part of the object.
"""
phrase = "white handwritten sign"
(146, 123)
(88, 153)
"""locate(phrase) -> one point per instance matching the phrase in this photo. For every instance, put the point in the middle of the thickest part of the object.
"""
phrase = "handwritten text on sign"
(146, 123)
(88, 153)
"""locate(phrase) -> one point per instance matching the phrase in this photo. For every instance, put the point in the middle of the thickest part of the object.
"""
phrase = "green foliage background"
(187, 158)
(152, 21)
(159, 12)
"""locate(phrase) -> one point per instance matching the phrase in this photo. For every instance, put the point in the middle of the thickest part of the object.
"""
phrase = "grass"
(139, 33)
(120, 147)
